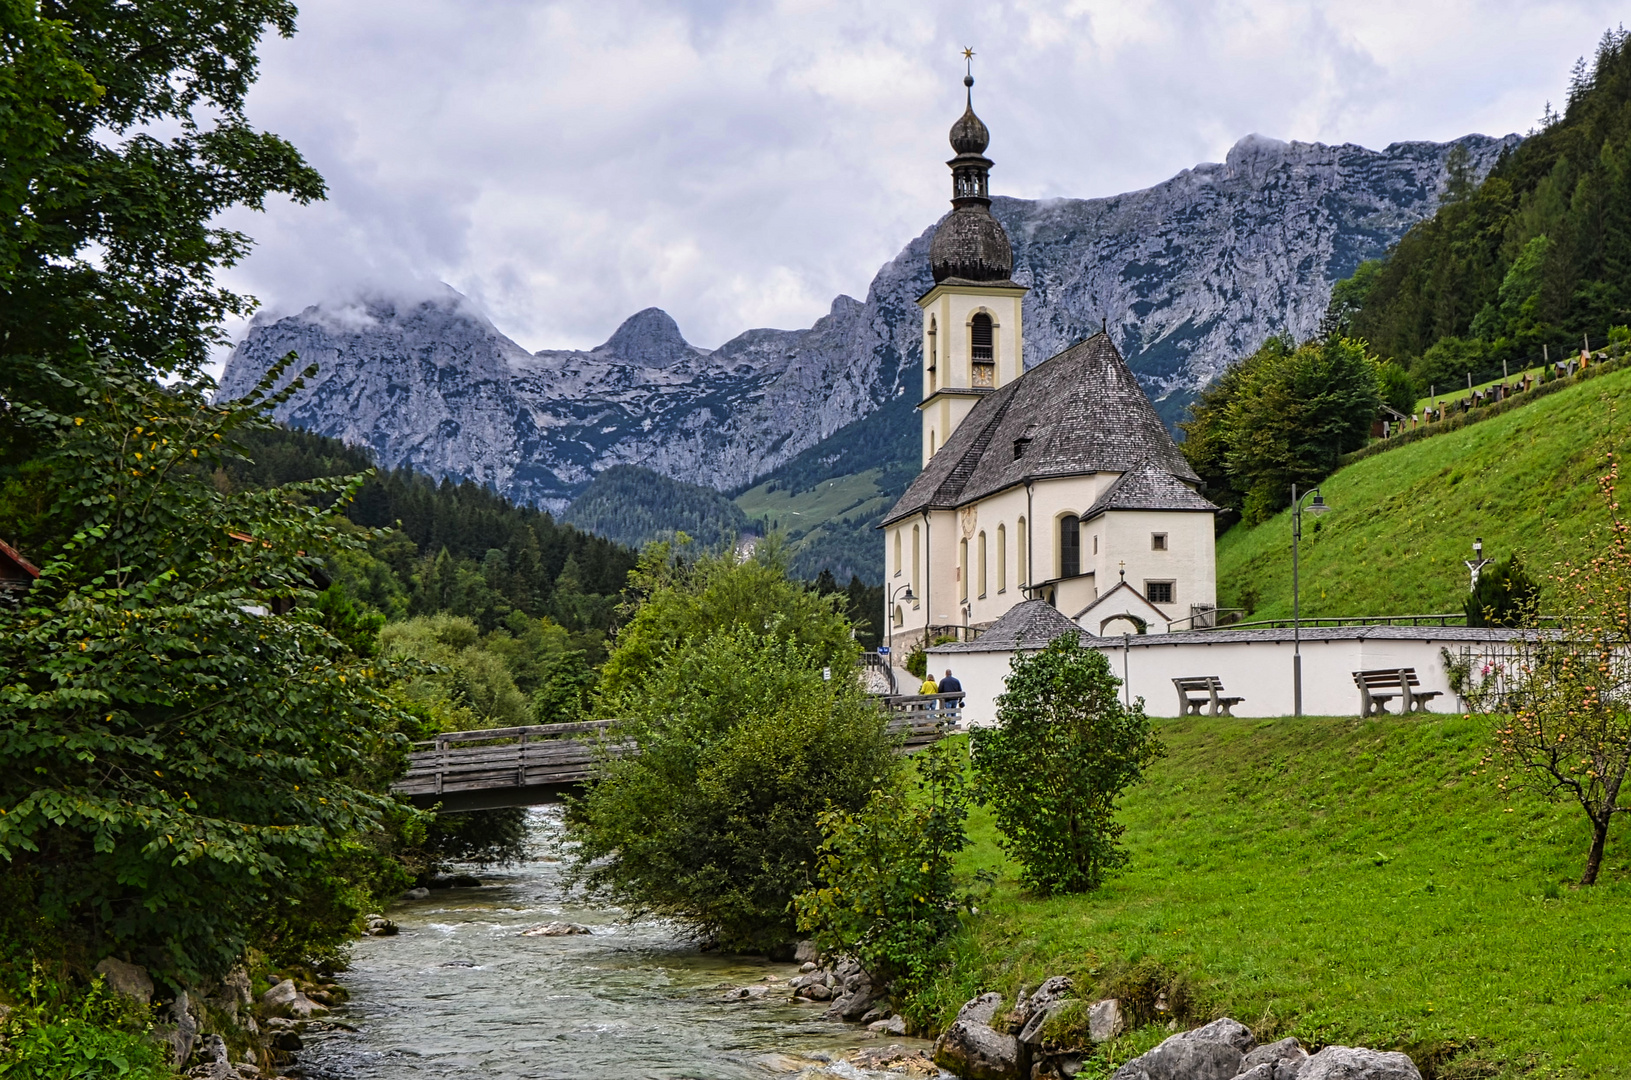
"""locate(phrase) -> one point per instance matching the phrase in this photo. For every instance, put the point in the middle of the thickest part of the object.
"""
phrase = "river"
(460, 993)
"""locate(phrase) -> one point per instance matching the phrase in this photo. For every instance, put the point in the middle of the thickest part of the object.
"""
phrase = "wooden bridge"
(526, 766)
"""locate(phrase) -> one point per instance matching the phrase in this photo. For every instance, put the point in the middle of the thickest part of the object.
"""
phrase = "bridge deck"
(525, 766)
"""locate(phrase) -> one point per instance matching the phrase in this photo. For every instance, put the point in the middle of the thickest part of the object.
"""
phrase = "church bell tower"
(971, 317)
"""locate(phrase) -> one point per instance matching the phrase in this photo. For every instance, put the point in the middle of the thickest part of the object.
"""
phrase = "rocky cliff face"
(1192, 273)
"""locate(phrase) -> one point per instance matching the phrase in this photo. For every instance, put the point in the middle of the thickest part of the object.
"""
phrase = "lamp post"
(1316, 507)
(903, 593)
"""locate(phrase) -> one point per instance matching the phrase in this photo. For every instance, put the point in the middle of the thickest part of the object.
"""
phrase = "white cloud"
(738, 164)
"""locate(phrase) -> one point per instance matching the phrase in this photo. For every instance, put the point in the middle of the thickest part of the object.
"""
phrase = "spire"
(969, 243)
(969, 138)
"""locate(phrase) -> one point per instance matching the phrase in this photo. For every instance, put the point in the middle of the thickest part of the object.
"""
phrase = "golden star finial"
(968, 54)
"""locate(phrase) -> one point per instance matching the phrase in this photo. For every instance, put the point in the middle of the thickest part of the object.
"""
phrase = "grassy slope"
(1343, 881)
(1402, 521)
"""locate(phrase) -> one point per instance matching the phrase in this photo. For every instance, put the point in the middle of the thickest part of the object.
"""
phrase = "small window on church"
(1020, 446)
(1158, 541)
(1158, 592)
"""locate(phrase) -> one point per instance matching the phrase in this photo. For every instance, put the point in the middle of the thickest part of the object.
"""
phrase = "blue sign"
(883, 650)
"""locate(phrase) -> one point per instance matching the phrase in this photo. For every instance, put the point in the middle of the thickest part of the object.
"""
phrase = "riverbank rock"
(1031, 1011)
(805, 952)
(557, 929)
(974, 1051)
(852, 992)
(379, 926)
(129, 980)
(285, 999)
(894, 1058)
(893, 1025)
(416, 894)
(1357, 1063)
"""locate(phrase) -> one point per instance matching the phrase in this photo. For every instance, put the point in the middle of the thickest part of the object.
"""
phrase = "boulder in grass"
(127, 980)
(1180, 1058)
(1104, 1020)
(285, 999)
(1225, 1030)
(1285, 1058)
(1357, 1063)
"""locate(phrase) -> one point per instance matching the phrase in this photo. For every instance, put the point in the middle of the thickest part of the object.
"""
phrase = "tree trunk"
(1594, 858)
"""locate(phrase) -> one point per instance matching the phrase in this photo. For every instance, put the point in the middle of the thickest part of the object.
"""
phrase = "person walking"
(929, 685)
(950, 685)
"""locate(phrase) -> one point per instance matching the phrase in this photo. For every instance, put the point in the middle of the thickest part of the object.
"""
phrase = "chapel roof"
(1030, 624)
(1148, 486)
(1081, 411)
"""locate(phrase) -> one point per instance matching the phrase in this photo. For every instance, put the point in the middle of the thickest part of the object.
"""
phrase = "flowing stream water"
(460, 993)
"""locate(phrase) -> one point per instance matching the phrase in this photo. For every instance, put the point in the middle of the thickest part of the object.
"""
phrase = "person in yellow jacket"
(929, 686)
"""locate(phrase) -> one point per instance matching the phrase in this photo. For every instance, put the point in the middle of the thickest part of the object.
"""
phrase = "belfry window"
(981, 351)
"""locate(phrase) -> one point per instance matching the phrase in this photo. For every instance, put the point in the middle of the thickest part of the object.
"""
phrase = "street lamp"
(903, 593)
(1316, 507)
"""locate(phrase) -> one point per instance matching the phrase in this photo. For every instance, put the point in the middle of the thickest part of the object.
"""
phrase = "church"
(1059, 483)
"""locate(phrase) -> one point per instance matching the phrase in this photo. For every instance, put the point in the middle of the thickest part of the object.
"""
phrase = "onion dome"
(969, 134)
(969, 243)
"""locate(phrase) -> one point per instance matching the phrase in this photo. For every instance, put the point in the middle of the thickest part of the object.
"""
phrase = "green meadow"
(1403, 521)
(1344, 881)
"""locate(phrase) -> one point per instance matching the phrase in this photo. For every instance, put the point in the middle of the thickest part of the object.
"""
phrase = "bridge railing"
(553, 755)
(501, 757)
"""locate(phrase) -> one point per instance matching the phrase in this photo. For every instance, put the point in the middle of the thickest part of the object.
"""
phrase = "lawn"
(1403, 521)
(796, 514)
(1344, 881)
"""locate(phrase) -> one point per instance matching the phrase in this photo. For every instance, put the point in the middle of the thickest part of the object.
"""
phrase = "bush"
(917, 661)
(888, 893)
(1063, 751)
(743, 745)
(1505, 595)
(96, 1035)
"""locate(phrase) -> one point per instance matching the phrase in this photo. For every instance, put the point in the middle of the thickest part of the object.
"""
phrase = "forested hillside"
(634, 506)
(455, 548)
(1536, 258)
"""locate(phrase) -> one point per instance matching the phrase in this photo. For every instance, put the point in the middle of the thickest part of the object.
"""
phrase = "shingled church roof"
(1080, 412)
(1148, 487)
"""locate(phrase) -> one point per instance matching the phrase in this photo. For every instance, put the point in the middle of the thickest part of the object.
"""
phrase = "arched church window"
(897, 553)
(916, 588)
(1070, 546)
(1019, 538)
(982, 563)
(982, 352)
(1002, 558)
(962, 570)
(934, 353)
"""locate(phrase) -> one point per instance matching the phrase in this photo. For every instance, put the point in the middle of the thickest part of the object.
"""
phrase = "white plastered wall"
(1258, 671)
(1189, 561)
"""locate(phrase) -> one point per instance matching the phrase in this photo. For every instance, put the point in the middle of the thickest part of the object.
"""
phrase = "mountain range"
(1187, 275)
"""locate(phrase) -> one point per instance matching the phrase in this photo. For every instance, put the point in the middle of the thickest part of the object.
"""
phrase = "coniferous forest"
(1534, 261)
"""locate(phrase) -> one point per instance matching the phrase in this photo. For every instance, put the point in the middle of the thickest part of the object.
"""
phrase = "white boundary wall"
(1254, 665)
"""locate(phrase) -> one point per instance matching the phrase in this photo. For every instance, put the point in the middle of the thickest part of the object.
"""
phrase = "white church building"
(1058, 484)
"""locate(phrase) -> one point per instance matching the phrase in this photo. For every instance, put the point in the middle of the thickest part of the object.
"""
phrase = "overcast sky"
(740, 163)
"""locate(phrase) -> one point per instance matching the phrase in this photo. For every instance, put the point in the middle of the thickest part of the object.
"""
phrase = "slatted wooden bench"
(1401, 680)
(1209, 685)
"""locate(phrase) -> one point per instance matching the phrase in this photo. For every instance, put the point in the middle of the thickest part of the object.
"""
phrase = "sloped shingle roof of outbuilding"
(1147, 486)
(1083, 412)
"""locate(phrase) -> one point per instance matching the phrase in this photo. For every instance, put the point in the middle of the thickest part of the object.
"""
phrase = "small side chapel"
(1059, 483)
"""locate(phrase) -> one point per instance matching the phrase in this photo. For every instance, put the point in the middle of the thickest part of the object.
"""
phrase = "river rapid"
(460, 993)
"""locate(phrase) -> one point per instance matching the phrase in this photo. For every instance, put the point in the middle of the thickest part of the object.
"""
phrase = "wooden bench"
(1212, 687)
(1402, 680)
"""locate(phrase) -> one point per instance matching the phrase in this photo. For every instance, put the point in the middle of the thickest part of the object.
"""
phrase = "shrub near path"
(1343, 881)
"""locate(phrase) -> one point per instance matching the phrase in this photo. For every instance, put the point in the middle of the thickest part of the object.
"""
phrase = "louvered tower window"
(984, 357)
